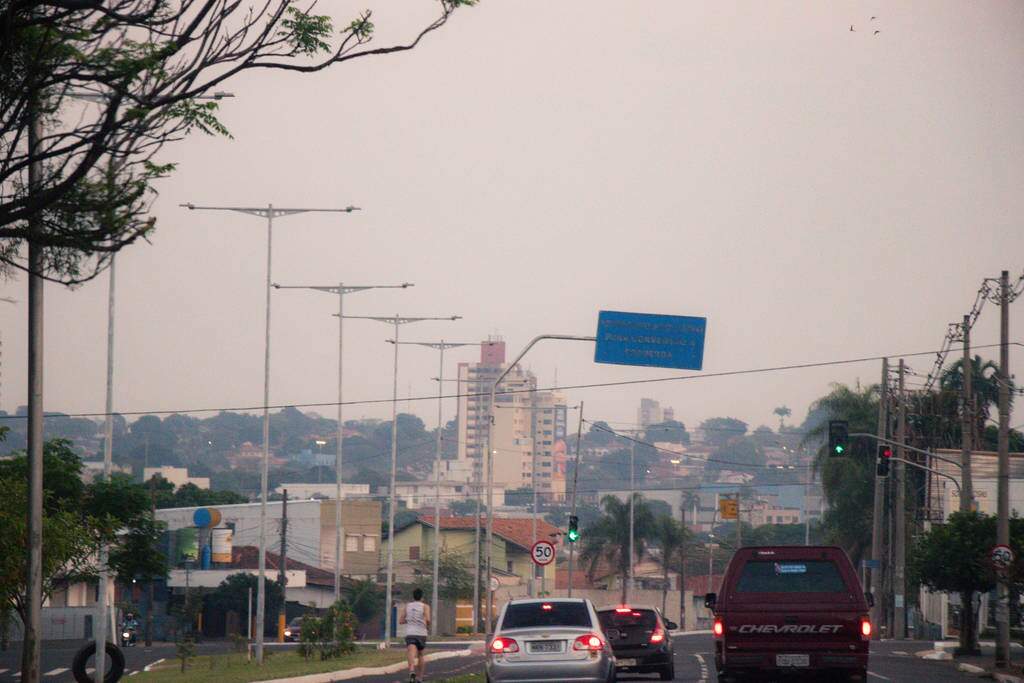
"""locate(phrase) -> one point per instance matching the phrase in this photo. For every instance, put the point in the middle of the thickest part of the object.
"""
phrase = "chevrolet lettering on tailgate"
(790, 628)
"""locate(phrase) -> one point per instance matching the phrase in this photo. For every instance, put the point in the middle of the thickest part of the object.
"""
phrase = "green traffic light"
(573, 535)
(839, 449)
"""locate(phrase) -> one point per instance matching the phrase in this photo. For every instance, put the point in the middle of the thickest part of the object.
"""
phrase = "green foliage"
(521, 497)
(185, 650)
(331, 635)
(366, 599)
(671, 431)
(306, 33)
(201, 116)
(719, 430)
(848, 482)
(954, 556)
(232, 595)
(607, 539)
(454, 573)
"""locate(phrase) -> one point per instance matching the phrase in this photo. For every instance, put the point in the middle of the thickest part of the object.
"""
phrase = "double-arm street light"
(341, 290)
(397, 321)
(441, 346)
(269, 212)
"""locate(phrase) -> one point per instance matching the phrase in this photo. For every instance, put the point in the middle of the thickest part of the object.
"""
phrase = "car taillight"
(658, 636)
(865, 627)
(718, 628)
(504, 646)
(590, 642)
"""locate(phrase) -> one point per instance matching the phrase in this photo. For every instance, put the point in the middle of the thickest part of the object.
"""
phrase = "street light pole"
(490, 458)
(268, 212)
(441, 346)
(341, 290)
(397, 321)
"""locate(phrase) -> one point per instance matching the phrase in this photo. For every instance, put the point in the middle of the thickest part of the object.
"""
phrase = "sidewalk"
(979, 665)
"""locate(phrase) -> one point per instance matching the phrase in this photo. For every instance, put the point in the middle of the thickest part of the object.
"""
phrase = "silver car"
(549, 640)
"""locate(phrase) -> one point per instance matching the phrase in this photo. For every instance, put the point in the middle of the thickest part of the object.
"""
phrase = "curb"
(970, 669)
(940, 655)
(357, 672)
(1007, 678)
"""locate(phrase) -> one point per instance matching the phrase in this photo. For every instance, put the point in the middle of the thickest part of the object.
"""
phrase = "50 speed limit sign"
(542, 552)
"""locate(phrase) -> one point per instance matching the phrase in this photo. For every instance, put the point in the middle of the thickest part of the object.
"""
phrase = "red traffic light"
(884, 451)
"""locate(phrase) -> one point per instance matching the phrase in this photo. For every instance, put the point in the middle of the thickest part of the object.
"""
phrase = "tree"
(671, 431)
(607, 539)
(719, 430)
(984, 387)
(143, 65)
(521, 497)
(232, 595)
(954, 557)
(848, 482)
(783, 412)
(455, 577)
(670, 537)
(465, 508)
(366, 599)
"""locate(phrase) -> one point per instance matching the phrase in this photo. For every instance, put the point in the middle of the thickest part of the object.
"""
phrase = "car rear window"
(635, 617)
(791, 576)
(530, 614)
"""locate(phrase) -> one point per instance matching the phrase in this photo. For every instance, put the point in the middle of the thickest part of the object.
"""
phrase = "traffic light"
(574, 529)
(838, 437)
(884, 455)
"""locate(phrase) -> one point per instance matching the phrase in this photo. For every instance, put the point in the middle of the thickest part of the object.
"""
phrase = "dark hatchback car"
(639, 637)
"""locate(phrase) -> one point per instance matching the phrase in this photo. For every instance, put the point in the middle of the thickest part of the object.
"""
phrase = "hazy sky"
(817, 193)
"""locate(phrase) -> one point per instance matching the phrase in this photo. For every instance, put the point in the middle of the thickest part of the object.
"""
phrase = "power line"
(594, 385)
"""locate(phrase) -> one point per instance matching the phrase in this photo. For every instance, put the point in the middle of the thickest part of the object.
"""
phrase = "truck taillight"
(865, 627)
(718, 628)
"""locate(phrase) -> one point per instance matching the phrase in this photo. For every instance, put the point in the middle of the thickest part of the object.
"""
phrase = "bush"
(331, 635)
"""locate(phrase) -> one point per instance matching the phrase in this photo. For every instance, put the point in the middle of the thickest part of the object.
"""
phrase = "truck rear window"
(554, 613)
(791, 576)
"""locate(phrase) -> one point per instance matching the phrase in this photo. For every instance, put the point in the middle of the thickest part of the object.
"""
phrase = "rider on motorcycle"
(129, 629)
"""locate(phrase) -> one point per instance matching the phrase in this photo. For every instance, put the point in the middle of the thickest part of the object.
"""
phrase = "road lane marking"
(3, 671)
(884, 678)
(901, 653)
(703, 667)
(56, 672)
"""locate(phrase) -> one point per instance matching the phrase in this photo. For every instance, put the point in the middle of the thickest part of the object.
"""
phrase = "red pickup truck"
(791, 609)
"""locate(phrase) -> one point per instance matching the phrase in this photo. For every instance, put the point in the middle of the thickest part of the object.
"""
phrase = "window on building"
(351, 543)
(414, 552)
(369, 544)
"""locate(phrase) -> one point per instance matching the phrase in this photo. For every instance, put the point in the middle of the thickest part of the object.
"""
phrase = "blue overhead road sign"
(659, 341)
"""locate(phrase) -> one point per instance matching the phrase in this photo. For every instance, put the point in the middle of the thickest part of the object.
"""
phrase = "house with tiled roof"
(513, 540)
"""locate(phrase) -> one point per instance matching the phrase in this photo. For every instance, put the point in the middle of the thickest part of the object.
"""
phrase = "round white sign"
(543, 552)
(495, 585)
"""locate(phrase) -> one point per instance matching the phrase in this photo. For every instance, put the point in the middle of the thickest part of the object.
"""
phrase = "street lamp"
(269, 212)
(441, 346)
(397, 321)
(341, 290)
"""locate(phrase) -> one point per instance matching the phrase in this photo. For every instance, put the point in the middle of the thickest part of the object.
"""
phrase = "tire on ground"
(112, 675)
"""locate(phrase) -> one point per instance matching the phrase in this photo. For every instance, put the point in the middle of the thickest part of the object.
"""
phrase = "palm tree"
(984, 387)
(608, 538)
(670, 537)
(783, 412)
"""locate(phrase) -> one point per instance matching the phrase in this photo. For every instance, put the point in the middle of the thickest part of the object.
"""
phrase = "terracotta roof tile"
(518, 530)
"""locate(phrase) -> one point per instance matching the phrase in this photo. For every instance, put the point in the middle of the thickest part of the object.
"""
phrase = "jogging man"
(416, 618)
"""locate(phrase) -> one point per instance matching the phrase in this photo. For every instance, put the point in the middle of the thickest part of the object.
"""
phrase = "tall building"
(649, 413)
(527, 423)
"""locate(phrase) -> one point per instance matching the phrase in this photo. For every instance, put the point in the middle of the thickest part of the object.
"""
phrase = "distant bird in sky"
(873, 18)
(877, 32)
(851, 27)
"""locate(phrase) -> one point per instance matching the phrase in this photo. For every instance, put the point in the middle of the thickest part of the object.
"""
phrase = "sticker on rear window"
(790, 568)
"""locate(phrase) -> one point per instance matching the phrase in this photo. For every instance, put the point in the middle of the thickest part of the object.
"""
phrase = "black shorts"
(419, 641)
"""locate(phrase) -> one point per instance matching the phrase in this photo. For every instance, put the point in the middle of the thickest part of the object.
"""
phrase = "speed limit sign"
(542, 553)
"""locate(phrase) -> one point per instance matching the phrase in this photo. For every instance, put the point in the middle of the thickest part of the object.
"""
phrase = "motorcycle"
(128, 635)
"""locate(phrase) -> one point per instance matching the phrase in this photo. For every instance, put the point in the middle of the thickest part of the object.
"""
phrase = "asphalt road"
(695, 663)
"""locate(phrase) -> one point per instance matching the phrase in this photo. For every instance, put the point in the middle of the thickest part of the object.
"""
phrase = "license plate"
(792, 660)
(625, 662)
(545, 646)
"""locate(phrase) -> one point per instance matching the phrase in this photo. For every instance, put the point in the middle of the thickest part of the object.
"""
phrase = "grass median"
(233, 668)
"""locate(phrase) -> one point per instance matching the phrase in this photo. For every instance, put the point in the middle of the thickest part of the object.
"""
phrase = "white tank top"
(416, 619)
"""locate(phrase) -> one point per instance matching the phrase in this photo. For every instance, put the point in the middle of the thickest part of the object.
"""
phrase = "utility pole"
(632, 503)
(149, 610)
(101, 621)
(739, 523)
(32, 648)
(879, 514)
(682, 569)
(966, 423)
(269, 212)
(1003, 521)
(900, 522)
(282, 570)
(575, 479)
